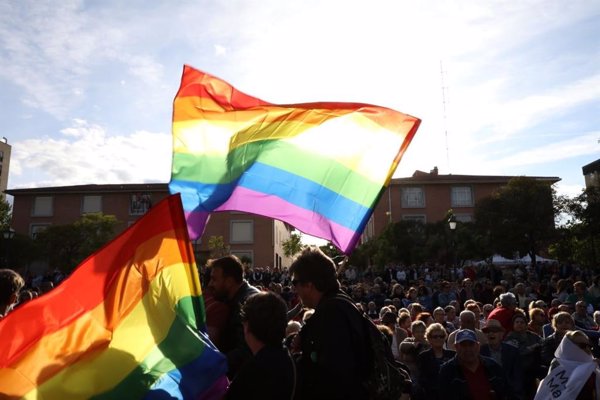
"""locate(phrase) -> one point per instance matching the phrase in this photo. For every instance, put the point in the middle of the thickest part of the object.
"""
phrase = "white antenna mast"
(442, 72)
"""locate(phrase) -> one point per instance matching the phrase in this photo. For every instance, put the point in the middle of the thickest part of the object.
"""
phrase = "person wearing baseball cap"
(470, 375)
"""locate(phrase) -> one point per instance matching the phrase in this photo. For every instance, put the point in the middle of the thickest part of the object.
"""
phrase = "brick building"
(424, 197)
(256, 237)
(591, 173)
(427, 197)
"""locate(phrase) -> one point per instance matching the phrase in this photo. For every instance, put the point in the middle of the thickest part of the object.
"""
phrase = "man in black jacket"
(471, 376)
(270, 374)
(334, 340)
(226, 280)
(505, 354)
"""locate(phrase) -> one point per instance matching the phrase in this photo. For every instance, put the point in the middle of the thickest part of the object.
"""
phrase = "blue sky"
(86, 88)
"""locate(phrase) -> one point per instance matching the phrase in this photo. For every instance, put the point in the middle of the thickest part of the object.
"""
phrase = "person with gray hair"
(505, 311)
(467, 321)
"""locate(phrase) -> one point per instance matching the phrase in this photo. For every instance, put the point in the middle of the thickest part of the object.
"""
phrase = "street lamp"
(452, 222)
(8, 234)
(452, 226)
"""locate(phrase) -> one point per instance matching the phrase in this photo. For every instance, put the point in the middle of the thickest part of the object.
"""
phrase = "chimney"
(434, 171)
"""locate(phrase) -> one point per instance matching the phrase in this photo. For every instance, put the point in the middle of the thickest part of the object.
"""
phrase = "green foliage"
(585, 210)
(519, 217)
(19, 251)
(217, 247)
(66, 246)
(246, 260)
(579, 238)
(410, 242)
(333, 252)
(293, 245)
(5, 214)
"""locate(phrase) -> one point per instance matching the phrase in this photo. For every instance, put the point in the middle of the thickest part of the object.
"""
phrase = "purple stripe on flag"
(243, 199)
(216, 390)
(196, 222)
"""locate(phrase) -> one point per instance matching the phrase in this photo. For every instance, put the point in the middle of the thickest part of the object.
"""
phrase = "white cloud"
(87, 154)
(47, 50)
(568, 190)
(384, 52)
(146, 69)
(582, 144)
(220, 50)
(505, 118)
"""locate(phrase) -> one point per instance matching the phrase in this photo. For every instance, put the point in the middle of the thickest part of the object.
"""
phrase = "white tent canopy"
(527, 259)
(498, 259)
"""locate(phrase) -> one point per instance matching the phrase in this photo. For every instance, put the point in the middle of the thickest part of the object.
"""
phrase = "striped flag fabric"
(321, 167)
(127, 324)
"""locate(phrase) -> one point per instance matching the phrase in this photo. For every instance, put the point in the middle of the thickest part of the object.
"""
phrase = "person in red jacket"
(505, 312)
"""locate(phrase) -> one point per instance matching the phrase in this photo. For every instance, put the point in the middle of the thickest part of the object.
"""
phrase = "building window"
(34, 229)
(417, 218)
(140, 203)
(462, 196)
(464, 217)
(413, 197)
(91, 204)
(242, 232)
(42, 206)
(1, 156)
(245, 256)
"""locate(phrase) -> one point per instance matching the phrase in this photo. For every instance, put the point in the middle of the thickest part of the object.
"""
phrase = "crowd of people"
(479, 332)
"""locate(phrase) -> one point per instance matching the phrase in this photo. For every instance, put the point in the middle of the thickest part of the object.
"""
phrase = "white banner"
(569, 372)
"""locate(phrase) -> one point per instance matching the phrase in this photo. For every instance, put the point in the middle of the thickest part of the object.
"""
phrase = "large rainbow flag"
(320, 167)
(125, 325)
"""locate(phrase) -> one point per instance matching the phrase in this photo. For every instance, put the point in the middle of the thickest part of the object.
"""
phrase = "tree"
(21, 251)
(5, 219)
(579, 235)
(66, 246)
(405, 242)
(519, 217)
(5, 214)
(217, 247)
(293, 245)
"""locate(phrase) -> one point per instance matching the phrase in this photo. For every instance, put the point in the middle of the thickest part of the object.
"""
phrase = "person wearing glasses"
(505, 354)
(573, 373)
(333, 364)
(430, 361)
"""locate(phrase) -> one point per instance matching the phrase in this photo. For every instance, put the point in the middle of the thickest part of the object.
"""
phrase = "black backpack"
(387, 379)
